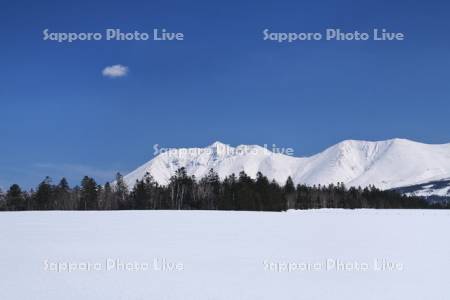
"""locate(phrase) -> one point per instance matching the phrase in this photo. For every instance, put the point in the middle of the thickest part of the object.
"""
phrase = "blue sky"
(61, 117)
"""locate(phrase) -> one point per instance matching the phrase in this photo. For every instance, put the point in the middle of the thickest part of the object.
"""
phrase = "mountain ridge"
(386, 164)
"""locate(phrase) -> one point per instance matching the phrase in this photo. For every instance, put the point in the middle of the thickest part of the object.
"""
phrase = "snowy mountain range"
(386, 164)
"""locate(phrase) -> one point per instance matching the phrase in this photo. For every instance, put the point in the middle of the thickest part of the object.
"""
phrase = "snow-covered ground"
(316, 254)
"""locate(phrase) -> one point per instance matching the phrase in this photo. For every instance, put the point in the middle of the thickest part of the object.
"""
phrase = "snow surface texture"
(385, 164)
(224, 255)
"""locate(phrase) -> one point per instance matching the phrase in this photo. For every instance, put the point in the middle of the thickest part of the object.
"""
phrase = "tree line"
(184, 192)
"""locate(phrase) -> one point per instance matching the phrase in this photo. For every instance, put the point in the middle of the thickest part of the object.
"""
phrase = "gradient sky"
(61, 117)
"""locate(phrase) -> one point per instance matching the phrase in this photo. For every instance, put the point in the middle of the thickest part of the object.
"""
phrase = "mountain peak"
(218, 144)
(401, 141)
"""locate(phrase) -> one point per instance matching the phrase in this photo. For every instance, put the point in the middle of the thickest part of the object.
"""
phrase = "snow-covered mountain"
(385, 164)
(433, 191)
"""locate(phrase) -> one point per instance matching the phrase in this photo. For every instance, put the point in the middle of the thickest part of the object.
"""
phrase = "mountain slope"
(434, 191)
(385, 164)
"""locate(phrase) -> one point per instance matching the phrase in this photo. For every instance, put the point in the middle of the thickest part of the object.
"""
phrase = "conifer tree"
(62, 195)
(289, 193)
(106, 198)
(140, 195)
(121, 192)
(15, 199)
(88, 194)
(43, 198)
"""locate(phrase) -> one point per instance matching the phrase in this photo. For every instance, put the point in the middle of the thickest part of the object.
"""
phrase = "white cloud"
(115, 71)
